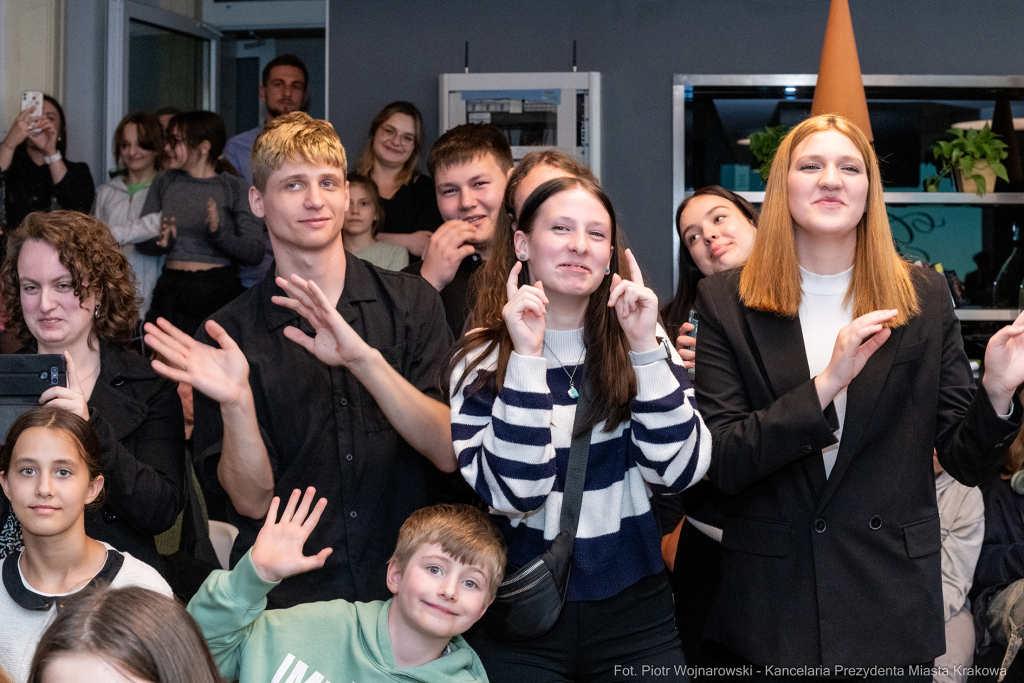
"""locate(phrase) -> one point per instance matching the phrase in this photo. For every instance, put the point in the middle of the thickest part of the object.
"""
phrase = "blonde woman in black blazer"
(831, 555)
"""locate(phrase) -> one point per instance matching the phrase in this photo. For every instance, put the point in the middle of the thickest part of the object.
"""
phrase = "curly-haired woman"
(68, 289)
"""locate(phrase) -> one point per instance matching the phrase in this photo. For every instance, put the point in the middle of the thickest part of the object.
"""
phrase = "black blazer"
(845, 570)
(137, 416)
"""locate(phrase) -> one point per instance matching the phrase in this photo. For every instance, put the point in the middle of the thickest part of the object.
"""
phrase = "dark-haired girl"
(51, 472)
(34, 175)
(207, 227)
(554, 309)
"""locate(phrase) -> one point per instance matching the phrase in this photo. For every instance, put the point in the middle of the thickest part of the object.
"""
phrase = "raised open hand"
(212, 215)
(277, 553)
(220, 373)
(70, 398)
(636, 307)
(854, 345)
(524, 314)
(1004, 364)
(335, 343)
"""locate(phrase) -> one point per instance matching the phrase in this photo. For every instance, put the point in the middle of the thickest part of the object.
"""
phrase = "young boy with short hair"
(445, 571)
(470, 165)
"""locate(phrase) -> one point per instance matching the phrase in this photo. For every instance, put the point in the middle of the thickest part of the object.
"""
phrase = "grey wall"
(394, 49)
(85, 83)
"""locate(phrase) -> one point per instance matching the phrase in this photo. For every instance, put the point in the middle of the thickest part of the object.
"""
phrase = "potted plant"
(763, 144)
(975, 154)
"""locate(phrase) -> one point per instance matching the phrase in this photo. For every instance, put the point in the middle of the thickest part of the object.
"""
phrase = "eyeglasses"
(390, 132)
(175, 140)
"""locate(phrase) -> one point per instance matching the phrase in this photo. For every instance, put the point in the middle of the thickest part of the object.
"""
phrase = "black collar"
(29, 599)
(359, 286)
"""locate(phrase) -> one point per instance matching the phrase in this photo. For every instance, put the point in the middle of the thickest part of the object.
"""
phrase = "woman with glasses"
(391, 159)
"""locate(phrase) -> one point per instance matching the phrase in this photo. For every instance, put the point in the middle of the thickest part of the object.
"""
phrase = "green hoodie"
(320, 642)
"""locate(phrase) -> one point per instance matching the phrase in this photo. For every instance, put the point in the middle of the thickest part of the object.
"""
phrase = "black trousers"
(628, 637)
(187, 298)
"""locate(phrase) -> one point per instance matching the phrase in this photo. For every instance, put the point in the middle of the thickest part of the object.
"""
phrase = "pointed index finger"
(513, 280)
(634, 269)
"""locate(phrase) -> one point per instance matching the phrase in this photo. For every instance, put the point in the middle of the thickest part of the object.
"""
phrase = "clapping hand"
(854, 345)
(212, 215)
(168, 231)
(524, 314)
(277, 553)
(636, 307)
(70, 398)
(335, 343)
(1004, 364)
(220, 373)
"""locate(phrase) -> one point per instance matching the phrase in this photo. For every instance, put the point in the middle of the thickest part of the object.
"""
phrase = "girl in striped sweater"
(550, 307)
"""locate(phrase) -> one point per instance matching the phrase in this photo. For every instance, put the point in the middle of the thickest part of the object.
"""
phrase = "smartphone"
(694, 319)
(32, 99)
(23, 378)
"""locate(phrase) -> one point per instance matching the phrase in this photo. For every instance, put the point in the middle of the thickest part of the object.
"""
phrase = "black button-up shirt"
(322, 428)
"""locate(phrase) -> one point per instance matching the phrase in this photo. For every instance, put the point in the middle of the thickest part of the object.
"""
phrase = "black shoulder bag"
(529, 600)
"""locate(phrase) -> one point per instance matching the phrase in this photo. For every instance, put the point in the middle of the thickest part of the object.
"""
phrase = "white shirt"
(822, 314)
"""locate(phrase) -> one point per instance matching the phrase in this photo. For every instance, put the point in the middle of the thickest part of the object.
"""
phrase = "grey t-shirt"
(240, 235)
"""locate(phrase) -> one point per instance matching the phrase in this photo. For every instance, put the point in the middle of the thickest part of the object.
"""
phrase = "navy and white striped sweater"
(514, 451)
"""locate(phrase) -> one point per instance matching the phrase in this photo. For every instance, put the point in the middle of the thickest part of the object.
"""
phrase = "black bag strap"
(576, 473)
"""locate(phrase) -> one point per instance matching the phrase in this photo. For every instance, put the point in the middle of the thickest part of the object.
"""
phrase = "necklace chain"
(573, 393)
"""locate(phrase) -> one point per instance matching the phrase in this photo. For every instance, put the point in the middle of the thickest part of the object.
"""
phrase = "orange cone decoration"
(840, 88)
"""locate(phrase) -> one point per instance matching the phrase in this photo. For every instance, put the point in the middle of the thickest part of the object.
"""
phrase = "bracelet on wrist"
(53, 158)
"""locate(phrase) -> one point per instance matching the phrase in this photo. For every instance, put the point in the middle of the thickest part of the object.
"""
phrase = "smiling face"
(134, 157)
(53, 313)
(472, 192)
(436, 596)
(718, 235)
(175, 149)
(395, 139)
(569, 245)
(828, 187)
(304, 205)
(48, 482)
(361, 210)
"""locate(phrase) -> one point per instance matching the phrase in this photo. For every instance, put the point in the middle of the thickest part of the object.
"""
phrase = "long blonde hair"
(881, 278)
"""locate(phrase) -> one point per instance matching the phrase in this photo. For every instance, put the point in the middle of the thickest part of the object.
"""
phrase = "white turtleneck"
(822, 314)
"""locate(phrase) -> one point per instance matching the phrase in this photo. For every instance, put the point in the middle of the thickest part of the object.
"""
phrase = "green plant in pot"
(973, 154)
(763, 144)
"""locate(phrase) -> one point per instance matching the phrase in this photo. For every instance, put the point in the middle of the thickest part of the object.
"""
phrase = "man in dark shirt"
(349, 420)
(470, 165)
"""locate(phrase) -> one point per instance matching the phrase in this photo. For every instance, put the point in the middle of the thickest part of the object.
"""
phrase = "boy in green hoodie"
(444, 573)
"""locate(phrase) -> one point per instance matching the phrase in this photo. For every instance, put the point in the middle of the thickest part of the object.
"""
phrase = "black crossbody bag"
(529, 600)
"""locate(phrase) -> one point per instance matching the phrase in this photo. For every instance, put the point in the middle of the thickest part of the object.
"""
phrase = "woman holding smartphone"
(829, 368)
(34, 174)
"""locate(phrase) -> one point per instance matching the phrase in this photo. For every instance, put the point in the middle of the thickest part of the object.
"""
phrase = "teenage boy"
(346, 409)
(443, 574)
(470, 165)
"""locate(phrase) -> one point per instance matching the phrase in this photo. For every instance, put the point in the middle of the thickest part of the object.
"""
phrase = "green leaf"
(932, 184)
(979, 183)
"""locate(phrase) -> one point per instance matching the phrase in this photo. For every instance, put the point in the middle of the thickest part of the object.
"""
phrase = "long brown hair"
(676, 311)
(137, 631)
(86, 248)
(410, 170)
(607, 367)
(771, 277)
(150, 135)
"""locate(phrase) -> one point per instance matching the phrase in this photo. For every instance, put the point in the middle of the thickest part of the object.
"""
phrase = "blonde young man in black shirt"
(323, 375)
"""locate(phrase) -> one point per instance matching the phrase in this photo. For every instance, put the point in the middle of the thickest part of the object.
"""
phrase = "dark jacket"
(137, 416)
(843, 570)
